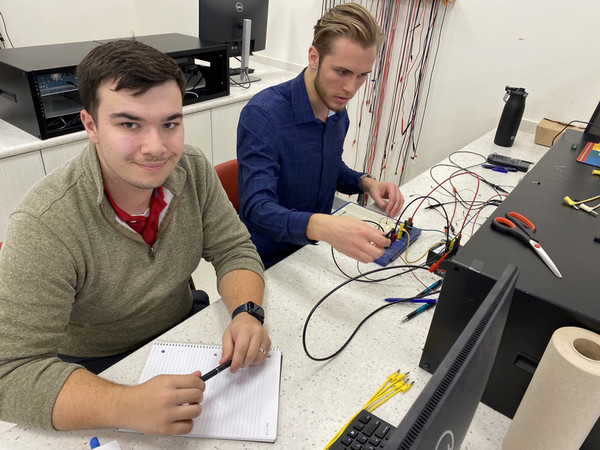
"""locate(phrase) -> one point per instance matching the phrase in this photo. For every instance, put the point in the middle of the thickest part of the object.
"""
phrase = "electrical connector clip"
(587, 209)
(570, 202)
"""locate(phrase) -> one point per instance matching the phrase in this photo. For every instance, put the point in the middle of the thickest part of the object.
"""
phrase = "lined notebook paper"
(240, 406)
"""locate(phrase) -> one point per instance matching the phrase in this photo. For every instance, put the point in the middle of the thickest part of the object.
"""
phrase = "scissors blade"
(542, 254)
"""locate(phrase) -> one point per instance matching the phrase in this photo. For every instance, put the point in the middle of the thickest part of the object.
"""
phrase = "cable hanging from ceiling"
(393, 105)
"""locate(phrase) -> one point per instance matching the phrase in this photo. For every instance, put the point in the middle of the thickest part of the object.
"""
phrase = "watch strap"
(362, 177)
(251, 308)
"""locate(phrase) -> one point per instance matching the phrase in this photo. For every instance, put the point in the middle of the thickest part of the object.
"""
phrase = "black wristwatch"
(251, 308)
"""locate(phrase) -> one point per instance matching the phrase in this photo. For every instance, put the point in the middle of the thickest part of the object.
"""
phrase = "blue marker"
(410, 300)
(94, 442)
(419, 297)
(499, 168)
(427, 290)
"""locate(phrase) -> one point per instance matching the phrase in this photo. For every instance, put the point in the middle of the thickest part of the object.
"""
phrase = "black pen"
(429, 289)
(208, 375)
(418, 311)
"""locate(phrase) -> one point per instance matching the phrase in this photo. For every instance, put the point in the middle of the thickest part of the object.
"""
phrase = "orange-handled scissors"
(522, 228)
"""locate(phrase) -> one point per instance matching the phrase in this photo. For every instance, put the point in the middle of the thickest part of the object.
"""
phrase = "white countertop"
(317, 398)
(14, 141)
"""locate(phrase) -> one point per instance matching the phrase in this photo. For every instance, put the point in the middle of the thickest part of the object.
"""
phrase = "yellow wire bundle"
(394, 384)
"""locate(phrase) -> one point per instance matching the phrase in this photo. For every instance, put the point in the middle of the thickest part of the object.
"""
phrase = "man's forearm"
(241, 286)
(87, 401)
(165, 404)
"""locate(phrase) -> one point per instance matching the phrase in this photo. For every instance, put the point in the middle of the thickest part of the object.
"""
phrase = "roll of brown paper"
(562, 402)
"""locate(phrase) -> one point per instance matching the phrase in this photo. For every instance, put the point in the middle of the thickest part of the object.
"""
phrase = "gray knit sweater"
(74, 281)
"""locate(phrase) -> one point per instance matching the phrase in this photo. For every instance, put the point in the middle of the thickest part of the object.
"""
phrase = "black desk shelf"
(542, 302)
(38, 87)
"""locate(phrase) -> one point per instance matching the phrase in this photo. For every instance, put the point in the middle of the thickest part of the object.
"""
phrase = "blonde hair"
(351, 20)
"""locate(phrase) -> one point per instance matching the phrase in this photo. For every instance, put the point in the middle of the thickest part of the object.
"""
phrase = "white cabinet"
(17, 174)
(198, 131)
(52, 157)
(224, 131)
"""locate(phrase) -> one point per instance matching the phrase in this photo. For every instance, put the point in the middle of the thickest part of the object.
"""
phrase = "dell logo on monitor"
(239, 7)
(446, 441)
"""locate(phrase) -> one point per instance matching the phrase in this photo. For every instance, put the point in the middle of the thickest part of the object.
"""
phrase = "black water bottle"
(511, 116)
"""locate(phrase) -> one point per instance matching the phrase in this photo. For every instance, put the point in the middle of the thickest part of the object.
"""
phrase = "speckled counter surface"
(317, 398)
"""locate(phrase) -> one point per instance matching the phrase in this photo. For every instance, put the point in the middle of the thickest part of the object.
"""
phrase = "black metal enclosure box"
(38, 86)
(542, 302)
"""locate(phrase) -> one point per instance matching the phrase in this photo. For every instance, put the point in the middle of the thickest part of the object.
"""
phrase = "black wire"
(448, 224)
(431, 72)
(244, 85)
(333, 253)
(411, 136)
(567, 125)
(6, 31)
(410, 268)
(458, 197)
(496, 187)
(494, 202)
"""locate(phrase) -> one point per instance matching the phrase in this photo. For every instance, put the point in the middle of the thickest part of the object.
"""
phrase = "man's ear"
(313, 57)
(89, 125)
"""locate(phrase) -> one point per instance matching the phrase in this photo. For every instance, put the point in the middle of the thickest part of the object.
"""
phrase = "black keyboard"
(365, 432)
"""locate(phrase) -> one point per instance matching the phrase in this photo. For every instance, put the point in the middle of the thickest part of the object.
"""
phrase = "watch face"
(253, 309)
(256, 310)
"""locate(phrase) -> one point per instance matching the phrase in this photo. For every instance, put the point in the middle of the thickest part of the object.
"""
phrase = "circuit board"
(386, 223)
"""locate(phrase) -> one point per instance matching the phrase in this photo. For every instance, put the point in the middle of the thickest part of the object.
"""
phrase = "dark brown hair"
(131, 64)
(348, 19)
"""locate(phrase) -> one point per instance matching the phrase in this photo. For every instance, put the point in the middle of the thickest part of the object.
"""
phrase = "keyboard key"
(346, 440)
(358, 426)
(364, 416)
(365, 432)
(382, 431)
(371, 427)
(362, 439)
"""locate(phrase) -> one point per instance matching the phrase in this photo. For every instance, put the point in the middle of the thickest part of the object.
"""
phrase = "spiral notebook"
(241, 406)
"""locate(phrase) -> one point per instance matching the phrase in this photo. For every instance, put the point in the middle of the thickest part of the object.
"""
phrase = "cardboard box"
(548, 131)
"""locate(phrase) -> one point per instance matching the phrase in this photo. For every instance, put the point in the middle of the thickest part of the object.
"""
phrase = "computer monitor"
(442, 414)
(242, 24)
(592, 130)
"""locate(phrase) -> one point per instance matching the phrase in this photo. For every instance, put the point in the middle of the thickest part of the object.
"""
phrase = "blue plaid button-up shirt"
(290, 165)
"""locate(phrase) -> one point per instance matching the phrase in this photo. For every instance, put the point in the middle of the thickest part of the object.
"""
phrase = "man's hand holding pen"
(163, 405)
(245, 342)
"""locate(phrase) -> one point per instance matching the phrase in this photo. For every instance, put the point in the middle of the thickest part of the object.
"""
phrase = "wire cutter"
(522, 228)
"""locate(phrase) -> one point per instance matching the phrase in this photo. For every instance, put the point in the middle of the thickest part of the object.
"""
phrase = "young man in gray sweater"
(98, 255)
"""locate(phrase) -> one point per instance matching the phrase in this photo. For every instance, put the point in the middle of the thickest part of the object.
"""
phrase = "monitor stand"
(243, 73)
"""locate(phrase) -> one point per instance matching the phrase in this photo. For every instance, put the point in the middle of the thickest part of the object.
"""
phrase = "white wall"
(33, 22)
(545, 46)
